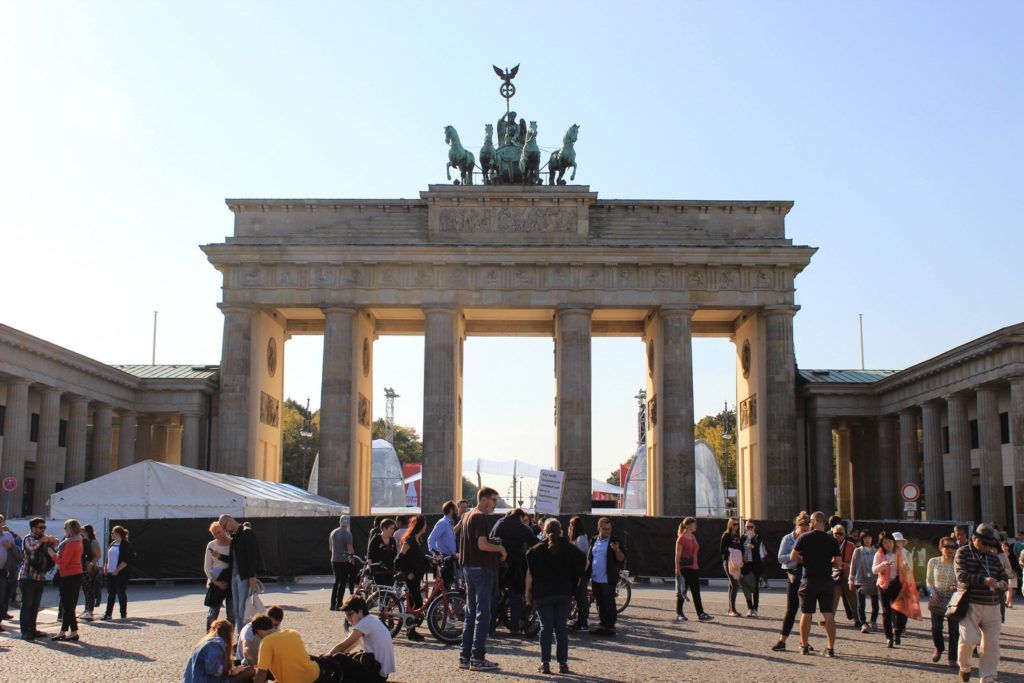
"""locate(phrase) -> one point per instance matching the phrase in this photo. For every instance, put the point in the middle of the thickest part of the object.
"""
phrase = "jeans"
(31, 595)
(70, 586)
(515, 609)
(582, 604)
(479, 585)
(239, 596)
(604, 596)
(680, 593)
(939, 639)
(553, 612)
(862, 607)
(693, 583)
(792, 601)
(343, 572)
(117, 587)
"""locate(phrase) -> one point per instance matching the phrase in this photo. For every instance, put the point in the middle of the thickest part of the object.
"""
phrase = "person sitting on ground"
(283, 654)
(248, 650)
(373, 639)
(210, 661)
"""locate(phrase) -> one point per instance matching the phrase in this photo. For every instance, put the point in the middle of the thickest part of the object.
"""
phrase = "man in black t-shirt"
(818, 553)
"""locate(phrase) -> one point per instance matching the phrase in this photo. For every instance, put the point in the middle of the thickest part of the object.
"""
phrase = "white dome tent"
(387, 486)
(708, 484)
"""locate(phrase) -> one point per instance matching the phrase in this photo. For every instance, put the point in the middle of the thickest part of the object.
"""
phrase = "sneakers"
(680, 618)
(805, 649)
(865, 629)
(779, 646)
(544, 668)
(563, 668)
(732, 613)
(704, 616)
(87, 616)
(463, 663)
(753, 613)
(936, 656)
(482, 665)
(829, 652)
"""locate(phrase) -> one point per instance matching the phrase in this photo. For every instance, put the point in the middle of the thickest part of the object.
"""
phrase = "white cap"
(897, 536)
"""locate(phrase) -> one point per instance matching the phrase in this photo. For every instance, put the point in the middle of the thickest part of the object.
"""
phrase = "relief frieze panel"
(513, 276)
(506, 219)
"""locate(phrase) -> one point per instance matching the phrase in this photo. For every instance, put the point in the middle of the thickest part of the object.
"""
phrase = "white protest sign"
(549, 492)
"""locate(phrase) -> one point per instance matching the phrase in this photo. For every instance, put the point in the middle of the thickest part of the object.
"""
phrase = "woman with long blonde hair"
(211, 657)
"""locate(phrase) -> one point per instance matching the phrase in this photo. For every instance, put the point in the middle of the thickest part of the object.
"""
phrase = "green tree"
(407, 442)
(298, 452)
(711, 429)
(615, 477)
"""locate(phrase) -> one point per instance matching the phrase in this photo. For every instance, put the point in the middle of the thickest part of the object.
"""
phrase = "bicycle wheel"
(387, 608)
(446, 615)
(623, 594)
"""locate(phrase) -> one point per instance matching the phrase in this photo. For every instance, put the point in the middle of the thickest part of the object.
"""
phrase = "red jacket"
(69, 557)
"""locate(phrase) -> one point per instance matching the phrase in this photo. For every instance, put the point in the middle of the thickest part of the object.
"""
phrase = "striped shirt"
(972, 568)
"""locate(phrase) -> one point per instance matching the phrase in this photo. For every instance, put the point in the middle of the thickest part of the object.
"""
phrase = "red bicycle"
(443, 609)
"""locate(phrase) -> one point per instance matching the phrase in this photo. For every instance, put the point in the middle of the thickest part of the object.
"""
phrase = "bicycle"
(444, 610)
(623, 596)
(529, 620)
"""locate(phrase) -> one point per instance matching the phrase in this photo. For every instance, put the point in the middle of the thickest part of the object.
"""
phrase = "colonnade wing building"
(553, 261)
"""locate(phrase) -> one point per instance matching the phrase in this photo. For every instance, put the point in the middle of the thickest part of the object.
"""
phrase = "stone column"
(102, 440)
(572, 407)
(887, 486)
(440, 407)
(934, 480)
(234, 450)
(337, 406)
(78, 429)
(190, 439)
(824, 465)
(144, 438)
(961, 491)
(908, 459)
(158, 441)
(48, 469)
(678, 464)
(16, 427)
(990, 475)
(844, 472)
(126, 438)
(1017, 443)
(780, 413)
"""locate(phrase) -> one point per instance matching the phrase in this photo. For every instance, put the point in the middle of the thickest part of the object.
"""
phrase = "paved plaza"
(167, 621)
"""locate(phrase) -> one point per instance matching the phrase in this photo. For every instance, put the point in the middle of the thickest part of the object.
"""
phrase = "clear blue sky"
(895, 127)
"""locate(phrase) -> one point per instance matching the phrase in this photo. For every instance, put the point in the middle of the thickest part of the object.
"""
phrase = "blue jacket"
(207, 663)
(785, 548)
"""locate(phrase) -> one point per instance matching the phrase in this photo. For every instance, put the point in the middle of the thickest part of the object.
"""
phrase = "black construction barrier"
(297, 546)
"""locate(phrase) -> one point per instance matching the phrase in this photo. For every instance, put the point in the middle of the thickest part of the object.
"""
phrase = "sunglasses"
(949, 547)
(751, 528)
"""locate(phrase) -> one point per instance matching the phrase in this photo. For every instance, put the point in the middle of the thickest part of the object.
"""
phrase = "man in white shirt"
(6, 584)
(369, 633)
(248, 650)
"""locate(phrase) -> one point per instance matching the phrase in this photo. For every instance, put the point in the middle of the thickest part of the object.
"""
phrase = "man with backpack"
(39, 557)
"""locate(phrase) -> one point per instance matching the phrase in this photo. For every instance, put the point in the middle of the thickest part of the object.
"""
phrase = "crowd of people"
(969, 586)
(81, 568)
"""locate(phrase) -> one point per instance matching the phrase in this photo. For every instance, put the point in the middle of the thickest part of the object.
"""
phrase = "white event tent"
(156, 490)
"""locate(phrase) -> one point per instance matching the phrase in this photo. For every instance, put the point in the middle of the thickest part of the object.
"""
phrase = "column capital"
(191, 412)
(76, 400)
(682, 310)
(100, 405)
(127, 412)
(823, 419)
(570, 309)
(340, 308)
(226, 308)
(440, 309)
(780, 309)
(17, 382)
(956, 398)
(909, 410)
(47, 390)
(887, 417)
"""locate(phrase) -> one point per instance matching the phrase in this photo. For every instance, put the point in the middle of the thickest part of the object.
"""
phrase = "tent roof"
(182, 487)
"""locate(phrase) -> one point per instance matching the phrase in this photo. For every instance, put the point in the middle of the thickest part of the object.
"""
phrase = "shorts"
(818, 593)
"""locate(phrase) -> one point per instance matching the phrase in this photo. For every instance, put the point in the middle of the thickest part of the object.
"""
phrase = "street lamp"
(306, 434)
(726, 438)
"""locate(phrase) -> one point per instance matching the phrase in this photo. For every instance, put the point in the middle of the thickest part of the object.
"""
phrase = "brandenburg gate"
(506, 260)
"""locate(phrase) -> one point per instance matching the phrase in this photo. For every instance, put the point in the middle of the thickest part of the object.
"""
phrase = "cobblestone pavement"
(166, 623)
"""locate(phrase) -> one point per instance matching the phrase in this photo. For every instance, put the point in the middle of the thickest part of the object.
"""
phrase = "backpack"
(14, 558)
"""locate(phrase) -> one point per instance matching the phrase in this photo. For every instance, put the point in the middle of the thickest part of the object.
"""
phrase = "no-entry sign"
(10, 484)
(910, 491)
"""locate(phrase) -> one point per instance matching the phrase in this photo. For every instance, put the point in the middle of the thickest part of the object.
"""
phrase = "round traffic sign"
(10, 484)
(910, 491)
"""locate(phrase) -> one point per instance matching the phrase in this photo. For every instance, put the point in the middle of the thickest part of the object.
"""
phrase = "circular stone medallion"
(272, 357)
(745, 358)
